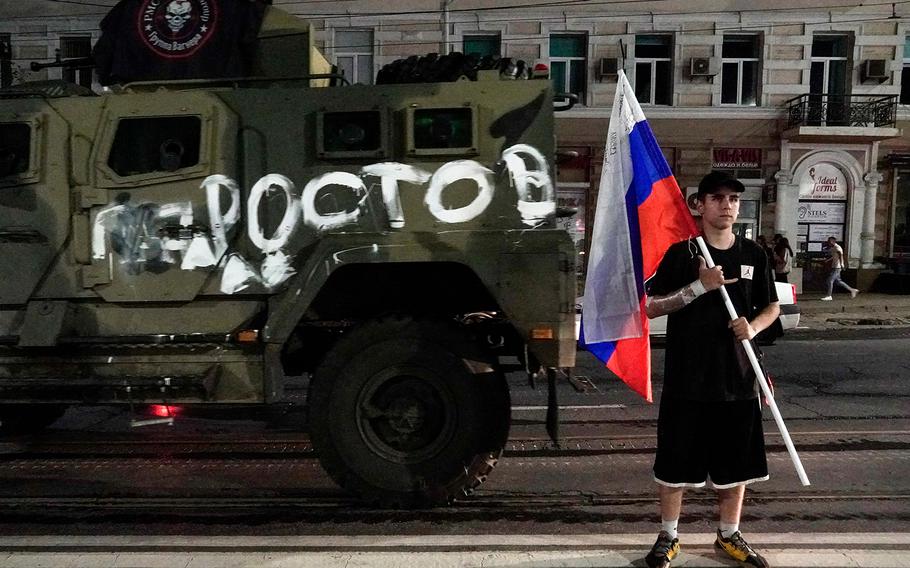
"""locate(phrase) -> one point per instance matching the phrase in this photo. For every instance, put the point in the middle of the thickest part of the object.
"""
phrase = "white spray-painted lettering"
(532, 211)
(391, 173)
(142, 237)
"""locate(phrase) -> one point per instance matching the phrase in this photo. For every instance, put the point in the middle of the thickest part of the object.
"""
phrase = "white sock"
(727, 529)
(669, 527)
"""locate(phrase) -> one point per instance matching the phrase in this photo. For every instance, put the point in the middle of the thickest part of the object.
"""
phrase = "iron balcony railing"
(822, 109)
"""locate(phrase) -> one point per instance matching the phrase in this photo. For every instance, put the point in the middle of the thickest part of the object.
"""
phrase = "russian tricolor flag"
(640, 213)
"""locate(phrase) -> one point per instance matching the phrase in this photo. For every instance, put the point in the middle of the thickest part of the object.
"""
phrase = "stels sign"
(737, 157)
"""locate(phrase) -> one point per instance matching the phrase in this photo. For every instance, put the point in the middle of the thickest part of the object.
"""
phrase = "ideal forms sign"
(823, 181)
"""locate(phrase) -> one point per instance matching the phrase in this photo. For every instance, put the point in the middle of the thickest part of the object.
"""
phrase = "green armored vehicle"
(197, 241)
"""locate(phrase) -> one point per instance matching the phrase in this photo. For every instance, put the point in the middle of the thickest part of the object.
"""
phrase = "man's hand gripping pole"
(759, 374)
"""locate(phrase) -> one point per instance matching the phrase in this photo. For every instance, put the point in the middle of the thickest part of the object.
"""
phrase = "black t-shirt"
(703, 359)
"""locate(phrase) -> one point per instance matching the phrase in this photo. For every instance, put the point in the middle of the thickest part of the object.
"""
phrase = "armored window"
(15, 148)
(568, 63)
(443, 129)
(73, 47)
(159, 144)
(351, 134)
(654, 69)
(481, 45)
(740, 70)
(354, 55)
(6, 61)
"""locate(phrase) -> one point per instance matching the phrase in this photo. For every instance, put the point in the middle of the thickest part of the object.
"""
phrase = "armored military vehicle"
(197, 241)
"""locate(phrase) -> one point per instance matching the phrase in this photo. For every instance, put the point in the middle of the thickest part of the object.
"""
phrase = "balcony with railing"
(828, 117)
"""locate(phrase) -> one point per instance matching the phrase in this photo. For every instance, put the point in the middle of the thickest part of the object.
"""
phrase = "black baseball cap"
(714, 181)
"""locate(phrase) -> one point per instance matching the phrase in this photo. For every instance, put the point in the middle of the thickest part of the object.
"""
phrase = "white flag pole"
(759, 374)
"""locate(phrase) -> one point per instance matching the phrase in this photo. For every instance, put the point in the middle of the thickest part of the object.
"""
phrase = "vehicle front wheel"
(408, 413)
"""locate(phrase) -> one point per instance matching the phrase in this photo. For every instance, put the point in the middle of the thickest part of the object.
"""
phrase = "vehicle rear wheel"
(28, 418)
(408, 413)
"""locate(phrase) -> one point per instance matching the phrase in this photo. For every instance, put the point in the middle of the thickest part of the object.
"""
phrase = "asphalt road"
(845, 401)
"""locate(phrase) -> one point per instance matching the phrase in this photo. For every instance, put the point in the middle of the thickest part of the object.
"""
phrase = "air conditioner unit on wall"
(876, 69)
(609, 67)
(702, 67)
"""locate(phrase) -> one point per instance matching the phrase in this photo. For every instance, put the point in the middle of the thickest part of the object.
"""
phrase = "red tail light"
(794, 292)
(164, 411)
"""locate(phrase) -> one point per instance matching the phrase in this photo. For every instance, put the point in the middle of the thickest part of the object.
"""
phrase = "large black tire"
(408, 413)
(28, 418)
(433, 68)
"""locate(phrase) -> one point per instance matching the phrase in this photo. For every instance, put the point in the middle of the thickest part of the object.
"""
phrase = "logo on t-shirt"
(746, 271)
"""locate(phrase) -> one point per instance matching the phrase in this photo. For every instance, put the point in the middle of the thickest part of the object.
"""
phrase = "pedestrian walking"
(709, 425)
(783, 259)
(836, 260)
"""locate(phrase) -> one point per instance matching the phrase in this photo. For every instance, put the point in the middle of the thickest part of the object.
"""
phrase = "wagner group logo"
(174, 29)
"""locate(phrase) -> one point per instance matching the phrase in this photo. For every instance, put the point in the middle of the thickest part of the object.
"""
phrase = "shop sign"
(823, 181)
(820, 233)
(815, 212)
(737, 158)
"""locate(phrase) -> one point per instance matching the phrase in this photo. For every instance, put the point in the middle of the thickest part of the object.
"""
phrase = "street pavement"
(866, 311)
(451, 547)
(782, 550)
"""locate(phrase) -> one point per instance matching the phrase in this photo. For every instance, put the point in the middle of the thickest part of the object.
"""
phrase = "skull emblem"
(177, 14)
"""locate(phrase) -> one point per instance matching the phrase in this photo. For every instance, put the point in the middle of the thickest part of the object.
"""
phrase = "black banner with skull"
(145, 40)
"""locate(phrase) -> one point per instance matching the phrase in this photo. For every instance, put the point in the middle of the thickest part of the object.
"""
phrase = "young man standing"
(836, 259)
(709, 427)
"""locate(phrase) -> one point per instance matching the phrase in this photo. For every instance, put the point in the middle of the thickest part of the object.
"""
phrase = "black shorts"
(718, 441)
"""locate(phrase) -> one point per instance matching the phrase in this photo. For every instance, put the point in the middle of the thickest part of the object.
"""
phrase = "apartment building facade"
(808, 106)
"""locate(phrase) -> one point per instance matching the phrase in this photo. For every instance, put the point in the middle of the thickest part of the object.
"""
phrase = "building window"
(354, 55)
(654, 69)
(74, 47)
(828, 75)
(568, 63)
(6, 61)
(482, 45)
(828, 72)
(740, 70)
(905, 74)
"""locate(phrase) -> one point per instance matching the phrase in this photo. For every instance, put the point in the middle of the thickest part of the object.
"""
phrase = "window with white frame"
(829, 80)
(354, 55)
(482, 45)
(568, 63)
(905, 74)
(654, 69)
(739, 81)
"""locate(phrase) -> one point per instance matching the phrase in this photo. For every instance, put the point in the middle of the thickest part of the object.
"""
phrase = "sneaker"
(827, 299)
(737, 549)
(663, 551)
(854, 292)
